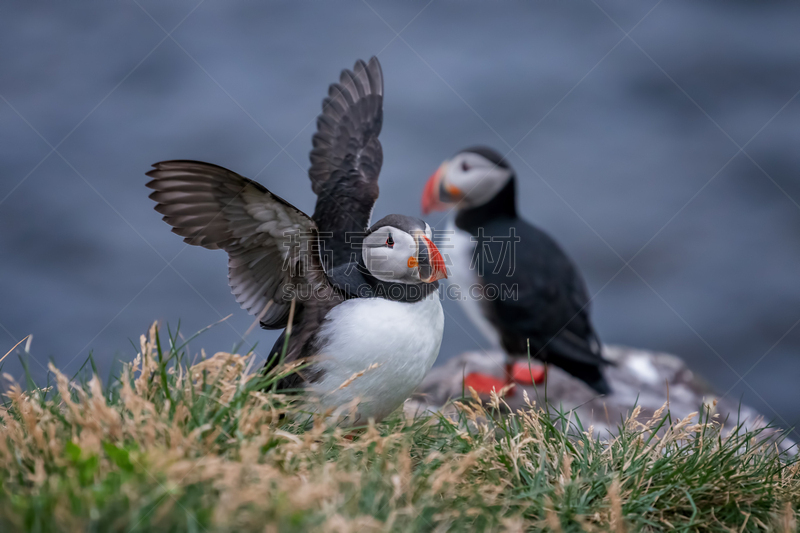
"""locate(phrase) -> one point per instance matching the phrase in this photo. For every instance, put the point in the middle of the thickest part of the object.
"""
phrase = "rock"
(640, 377)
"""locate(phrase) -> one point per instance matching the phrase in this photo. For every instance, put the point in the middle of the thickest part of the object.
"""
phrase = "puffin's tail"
(600, 385)
(585, 362)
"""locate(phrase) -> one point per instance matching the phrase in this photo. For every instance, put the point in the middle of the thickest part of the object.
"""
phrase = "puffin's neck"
(353, 280)
(396, 291)
(502, 205)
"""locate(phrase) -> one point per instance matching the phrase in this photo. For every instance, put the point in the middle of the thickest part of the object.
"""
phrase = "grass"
(173, 446)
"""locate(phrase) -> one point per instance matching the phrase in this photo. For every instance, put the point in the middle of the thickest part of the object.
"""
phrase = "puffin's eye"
(464, 166)
(390, 241)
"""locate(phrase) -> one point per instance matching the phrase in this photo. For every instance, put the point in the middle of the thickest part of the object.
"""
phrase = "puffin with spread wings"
(530, 296)
(362, 300)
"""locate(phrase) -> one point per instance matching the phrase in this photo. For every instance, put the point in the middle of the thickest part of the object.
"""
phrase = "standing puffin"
(517, 285)
(360, 299)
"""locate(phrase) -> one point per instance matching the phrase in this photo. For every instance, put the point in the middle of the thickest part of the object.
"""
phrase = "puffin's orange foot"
(484, 384)
(526, 373)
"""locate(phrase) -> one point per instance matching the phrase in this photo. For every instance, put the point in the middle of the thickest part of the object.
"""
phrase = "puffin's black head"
(400, 249)
(471, 178)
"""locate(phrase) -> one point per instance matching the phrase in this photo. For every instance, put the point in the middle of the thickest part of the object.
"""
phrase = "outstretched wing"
(347, 157)
(271, 244)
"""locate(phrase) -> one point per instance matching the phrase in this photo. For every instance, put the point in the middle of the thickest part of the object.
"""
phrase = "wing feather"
(269, 241)
(347, 156)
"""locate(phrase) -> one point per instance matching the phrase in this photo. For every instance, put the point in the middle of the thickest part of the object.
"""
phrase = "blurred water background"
(627, 149)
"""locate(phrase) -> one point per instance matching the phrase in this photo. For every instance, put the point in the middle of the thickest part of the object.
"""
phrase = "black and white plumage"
(365, 298)
(528, 288)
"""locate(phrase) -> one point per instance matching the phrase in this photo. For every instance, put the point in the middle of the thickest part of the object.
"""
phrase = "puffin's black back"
(546, 301)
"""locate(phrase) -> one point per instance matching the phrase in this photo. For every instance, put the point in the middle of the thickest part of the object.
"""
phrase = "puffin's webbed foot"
(484, 384)
(527, 373)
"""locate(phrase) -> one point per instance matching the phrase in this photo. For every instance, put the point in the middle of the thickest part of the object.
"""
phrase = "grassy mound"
(178, 447)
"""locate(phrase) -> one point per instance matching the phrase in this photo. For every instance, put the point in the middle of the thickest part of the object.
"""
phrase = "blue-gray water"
(636, 144)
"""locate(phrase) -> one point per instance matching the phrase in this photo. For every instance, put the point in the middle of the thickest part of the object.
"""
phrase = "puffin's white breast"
(399, 340)
(463, 277)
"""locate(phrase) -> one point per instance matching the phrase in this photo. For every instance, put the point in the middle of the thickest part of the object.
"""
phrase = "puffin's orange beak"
(431, 198)
(431, 262)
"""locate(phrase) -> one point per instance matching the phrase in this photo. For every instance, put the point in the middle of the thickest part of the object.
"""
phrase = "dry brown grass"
(177, 447)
